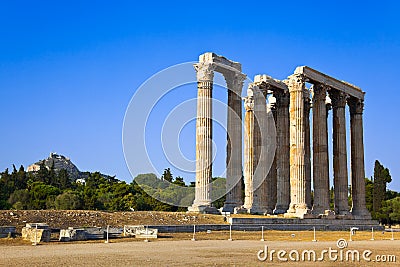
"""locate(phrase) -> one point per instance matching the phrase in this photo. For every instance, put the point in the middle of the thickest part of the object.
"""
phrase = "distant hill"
(59, 162)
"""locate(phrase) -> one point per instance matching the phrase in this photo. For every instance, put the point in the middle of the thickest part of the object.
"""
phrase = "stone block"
(36, 235)
(7, 231)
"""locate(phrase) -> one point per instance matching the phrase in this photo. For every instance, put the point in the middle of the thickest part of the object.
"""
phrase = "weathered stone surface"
(359, 209)
(248, 152)
(260, 171)
(7, 231)
(315, 76)
(298, 206)
(305, 224)
(92, 233)
(205, 74)
(340, 174)
(320, 151)
(36, 232)
(208, 63)
(282, 152)
(140, 231)
(234, 172)
(307, 156)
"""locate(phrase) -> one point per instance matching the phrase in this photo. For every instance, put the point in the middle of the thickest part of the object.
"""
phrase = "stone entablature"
(314, 76)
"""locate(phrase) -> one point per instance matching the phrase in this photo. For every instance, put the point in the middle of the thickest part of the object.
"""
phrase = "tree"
(381, 178)
(5, 189)
(63, 180)
(42, 174)
(390, 212)
(68, 201)
(42, 195)
(369, 189)
(179, 181)
(20, 199)
(167, 175)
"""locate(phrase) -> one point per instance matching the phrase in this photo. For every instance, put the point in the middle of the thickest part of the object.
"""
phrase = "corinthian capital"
(320, 91)
(248, 103)
(296, 82)
(234, 81)
(356, 105)
(205, 71)
(338, 98)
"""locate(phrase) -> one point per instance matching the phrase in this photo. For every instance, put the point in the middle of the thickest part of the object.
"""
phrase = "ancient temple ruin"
(286, 187)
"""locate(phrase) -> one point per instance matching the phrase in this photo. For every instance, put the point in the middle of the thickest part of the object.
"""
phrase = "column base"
(203, 209)
(240, 210)
(280, 210)
(344, 216)
(343, 212)
(362, 214)
(299, 211)
(318, 210)
(257, 210)
(229, 207)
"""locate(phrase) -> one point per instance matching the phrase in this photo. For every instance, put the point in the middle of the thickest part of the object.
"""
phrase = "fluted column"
(271, 179)
(298, 206)
(234, 173)
(340, 174)
(320, 151)
(202, 201)
(307, 146)
(359, 209)
(282, 152)
(260, 185)
(248, 152)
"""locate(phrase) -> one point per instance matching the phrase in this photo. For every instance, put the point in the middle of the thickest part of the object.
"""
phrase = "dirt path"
(180, 253)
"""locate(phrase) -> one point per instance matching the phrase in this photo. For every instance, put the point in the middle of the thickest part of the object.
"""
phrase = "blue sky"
(68, 69)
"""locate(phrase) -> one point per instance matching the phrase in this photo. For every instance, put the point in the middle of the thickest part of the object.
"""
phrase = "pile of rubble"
(62, 219)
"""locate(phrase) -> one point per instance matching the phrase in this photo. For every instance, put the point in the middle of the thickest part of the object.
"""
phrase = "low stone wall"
(7, 231)
(139, 231)
(94, 233)
(304, 224)
(255, 224)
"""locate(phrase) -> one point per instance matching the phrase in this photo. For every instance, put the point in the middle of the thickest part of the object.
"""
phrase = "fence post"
(314, 240)
(107, 234)
(262, 233)
(372, 233)
(194, 232)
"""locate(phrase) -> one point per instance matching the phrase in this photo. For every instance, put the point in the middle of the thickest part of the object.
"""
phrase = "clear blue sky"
(68, 69)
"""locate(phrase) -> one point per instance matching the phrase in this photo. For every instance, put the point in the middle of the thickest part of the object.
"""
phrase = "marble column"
(307, 146)
(359, 209)
(282, 152)
(260, 185)
(248, 152)
(202, 201)
(234, 173)
(320, 151)
(271, 179)
(340, 175)
(298, 206)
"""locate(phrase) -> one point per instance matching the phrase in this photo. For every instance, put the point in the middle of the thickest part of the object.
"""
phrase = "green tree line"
(50, 189)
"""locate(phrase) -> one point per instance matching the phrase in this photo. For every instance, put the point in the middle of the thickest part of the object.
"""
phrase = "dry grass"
(291, 236)
(283, 235)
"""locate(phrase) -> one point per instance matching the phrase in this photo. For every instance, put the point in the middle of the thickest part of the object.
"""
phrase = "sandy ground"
(175, 252)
